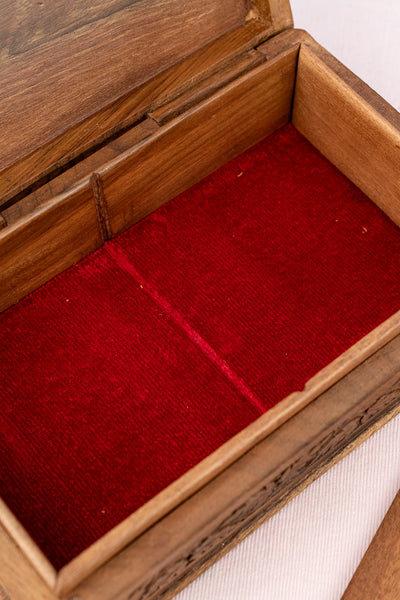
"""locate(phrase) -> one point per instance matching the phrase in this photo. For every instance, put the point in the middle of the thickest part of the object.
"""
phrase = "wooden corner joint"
(275, 12)
(101, 207)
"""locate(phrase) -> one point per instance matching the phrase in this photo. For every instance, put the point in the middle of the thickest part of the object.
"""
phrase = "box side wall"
(61, 233)
(350, 124)
(168, 160)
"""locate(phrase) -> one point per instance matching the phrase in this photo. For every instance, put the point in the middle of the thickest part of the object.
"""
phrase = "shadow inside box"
(131, 367)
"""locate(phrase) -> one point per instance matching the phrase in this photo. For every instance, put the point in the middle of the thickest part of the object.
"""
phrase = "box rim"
(391, 331)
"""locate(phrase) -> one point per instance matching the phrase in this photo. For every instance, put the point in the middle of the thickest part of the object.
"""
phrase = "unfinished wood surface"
(42, 152)
(55, 237)
(17, 532)
(378, 576)
(192, 536)
(195, 144)
(237, 67)
(19, 580)
(343, 119)
(277, 12)
(287, 39)
(82, 170)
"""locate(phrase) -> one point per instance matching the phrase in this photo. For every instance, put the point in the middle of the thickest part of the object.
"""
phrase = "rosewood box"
(199, 284)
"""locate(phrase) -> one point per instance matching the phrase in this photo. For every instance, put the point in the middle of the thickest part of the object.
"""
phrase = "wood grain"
(83, 169)
(274, 11)
(378, 576)
(32, 24)
(338, 119)
(291, 38)
(192, 536)
(24, 26)
(49, 155)
(372, 98)
(209, 86)
(269, 465)
(55, 237)
(54, 85)
(195, 144)
(19, 580)
(35, 556)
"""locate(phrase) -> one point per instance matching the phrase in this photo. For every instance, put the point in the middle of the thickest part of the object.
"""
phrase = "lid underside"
(63, 61)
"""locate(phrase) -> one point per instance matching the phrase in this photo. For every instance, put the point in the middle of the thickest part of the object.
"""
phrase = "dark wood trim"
(101, 207)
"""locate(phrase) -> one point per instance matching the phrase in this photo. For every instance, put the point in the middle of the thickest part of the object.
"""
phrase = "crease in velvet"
(128, 369)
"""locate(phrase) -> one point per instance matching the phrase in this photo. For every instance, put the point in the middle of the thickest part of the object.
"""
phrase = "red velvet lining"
(128, 369)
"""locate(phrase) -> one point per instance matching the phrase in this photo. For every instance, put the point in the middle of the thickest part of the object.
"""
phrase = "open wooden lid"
(62, 61)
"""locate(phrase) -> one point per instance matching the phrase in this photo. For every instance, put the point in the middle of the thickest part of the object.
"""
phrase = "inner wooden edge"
(241, 289)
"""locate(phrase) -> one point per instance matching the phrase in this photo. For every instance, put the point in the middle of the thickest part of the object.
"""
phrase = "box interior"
(126, 370)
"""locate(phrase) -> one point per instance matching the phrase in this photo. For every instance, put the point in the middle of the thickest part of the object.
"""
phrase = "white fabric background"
(363, 34)
(310, 549)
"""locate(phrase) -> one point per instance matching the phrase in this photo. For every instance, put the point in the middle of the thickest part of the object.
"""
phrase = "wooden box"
(108, 113)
